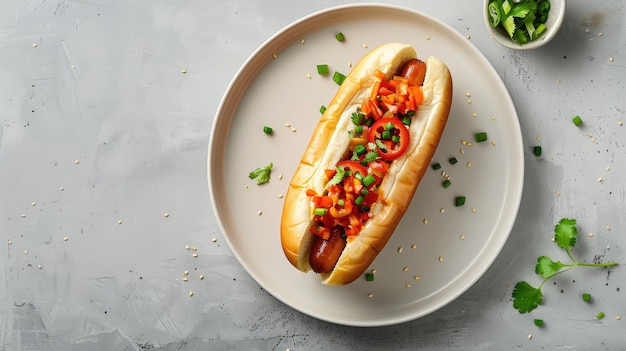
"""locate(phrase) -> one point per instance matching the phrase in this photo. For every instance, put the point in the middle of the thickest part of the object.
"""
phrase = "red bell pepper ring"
(353, 166)
(393, 149)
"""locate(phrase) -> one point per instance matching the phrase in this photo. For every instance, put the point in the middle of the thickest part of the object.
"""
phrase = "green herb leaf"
(546, 267)
(565, 233)
(261, 174)
(338, 177)
(526, 297)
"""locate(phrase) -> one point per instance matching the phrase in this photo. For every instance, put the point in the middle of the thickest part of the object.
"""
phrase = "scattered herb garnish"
(267, 130)
(600, 315)
(340, 37)
(322, 69)
(436, 166)
(369, 277)
(322, 109)
(537, 151)
(480, 137)
(586, 297)
(261, 174)
(538, 322)
(338, 78)
(577, 121)
(459, 201)
(527, 297)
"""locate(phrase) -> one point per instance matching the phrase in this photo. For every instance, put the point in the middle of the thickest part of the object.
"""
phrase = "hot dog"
(364, 162)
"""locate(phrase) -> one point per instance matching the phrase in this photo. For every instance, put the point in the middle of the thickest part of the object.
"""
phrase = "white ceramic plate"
(444, 249)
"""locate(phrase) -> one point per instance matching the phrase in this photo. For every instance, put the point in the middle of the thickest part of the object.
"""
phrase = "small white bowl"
(553, 24)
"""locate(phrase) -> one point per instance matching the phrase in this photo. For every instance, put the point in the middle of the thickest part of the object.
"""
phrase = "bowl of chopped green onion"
(523, 24)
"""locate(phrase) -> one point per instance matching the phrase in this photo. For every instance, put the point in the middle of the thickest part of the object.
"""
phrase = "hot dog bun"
(328, 145)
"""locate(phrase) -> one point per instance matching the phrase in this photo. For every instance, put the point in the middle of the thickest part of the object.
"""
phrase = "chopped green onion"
(577, 121)
(358, 129)
(339, 36)
(537, 151)
(389, 126)
(369, 180)
(395, 139)
(341, 203)
(410, 113)
(364, 191)
(322, 109)
(436, 166)
(538, 322)
(406, 120)
(385, 135)
(360, 149)
(338, 78)
(586, 297)
(369, 277)
(359, 200)
(480, 137)
(453, 160)
(459, 201)
(600, 315)
(446, 183)
(267, 130)
(319, 211)
(322, 69)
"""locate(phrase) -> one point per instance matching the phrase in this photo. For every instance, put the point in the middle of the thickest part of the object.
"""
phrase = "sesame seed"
(194, 255)
(619, 122)
(428, 37)
(473, 210)
(370, 295)
(374, 271)
(425, 221)
(558, 193)
(469, 164)
(201, 277)
(400, 249)
(610, 59)
(194, 248)
(474, 114)
(408, 285)
(530, 336)
(9, 242)
(349, 63)
(280, 176)
(166, 215)
(462, 151)
(442, 210)
(440, 258)
(406, 269)
(493, 143)
(365, 45)
(552, 239)
(608, 247)
(72, 66)
(468, 94)
(608, 168)
(183, 71)
(23, 215)
(275, 56)
(186, 273)
(618, 318)
(190, 293)
(302, 41)
(65, 239)
(469, 102)
(558, 81)
(119, 221)
(33, 204)
(214, 240)
(493, 118)
(462, 237)
(417, 277)
(25, 252)
(246, 186)
(608, 228)
(260, 212)
(185, 279)
(468, 36)
(600, 180)
(35, 45)
(590, 235)
(308, 76)
(187, 247)
(294, 130)
(413, 246)
(600, 34)
(39, 266)
(287, 125)
(280, 196)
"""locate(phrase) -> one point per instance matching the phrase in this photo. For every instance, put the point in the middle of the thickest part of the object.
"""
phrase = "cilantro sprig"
(261, 174)
(527, 297)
